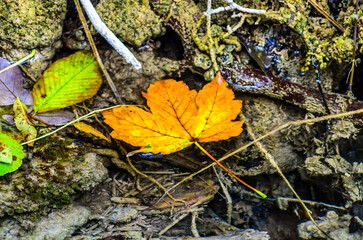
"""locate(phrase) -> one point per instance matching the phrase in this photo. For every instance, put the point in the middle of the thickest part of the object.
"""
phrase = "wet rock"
(31, 24)
(333, 224)
(61, 224)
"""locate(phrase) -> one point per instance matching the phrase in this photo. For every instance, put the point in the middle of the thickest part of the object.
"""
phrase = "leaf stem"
(20, 61)
(229, 172)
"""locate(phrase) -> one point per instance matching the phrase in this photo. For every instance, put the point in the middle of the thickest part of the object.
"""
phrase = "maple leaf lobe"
(178, 117)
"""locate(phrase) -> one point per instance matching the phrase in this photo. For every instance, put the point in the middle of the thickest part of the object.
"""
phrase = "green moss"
(30, 24)
(133, 21)
(323, 40)
(54, 149)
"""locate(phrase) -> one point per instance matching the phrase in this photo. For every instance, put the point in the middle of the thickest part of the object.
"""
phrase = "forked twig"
(234, 6)
(152, 180)
(228, 197)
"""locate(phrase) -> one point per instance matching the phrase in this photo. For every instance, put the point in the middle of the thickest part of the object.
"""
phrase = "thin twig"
(354, 62)
(325, 14)
(227, 195)
(173, 223)
(235, 6)
(274, 164)
(193, 226)
(20, 61)
(109, 35)
(312, 203)
(95, 52)
(152, 180)
(71, 122)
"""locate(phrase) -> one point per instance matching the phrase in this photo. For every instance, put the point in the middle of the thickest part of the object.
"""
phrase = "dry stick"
(95, 52)
(323, 12)
(152, 180)
(274, 164)
(312, 203)
(191, 209)
(108, 35)
(193, 226)
(227, 195)
(173, 223)
(292, 123)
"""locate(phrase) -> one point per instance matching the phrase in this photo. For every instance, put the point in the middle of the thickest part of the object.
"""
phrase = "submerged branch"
(251, 81)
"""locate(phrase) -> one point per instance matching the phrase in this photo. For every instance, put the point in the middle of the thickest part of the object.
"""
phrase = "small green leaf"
(11, 154)
(66, 82)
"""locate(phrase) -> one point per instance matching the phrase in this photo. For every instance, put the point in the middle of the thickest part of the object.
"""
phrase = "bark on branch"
(251, 81)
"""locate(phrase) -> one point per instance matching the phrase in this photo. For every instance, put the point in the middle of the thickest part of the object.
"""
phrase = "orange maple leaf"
(178, 117)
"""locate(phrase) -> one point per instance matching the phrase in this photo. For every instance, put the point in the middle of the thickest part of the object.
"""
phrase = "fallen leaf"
(11, 154)
(178, 117)
(89, 129)
(13, 79)
(22, 122)
(68, 81)
(56, 117)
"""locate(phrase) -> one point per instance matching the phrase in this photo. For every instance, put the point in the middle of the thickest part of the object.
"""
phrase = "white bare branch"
(109, 35)
(234, 6)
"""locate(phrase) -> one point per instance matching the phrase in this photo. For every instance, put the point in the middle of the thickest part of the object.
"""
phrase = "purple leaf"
(52, 118)
(56, 117)
(13, 79)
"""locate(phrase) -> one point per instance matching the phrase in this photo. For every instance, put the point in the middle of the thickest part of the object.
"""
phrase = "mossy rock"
(49, 179)
(133, 21)
(30, 24)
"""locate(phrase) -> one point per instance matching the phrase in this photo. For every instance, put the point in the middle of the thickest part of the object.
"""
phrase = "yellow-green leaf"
(22, 122)
(67, 81)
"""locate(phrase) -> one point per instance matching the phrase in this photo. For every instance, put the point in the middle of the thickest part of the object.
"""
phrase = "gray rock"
(59, 225)
(333, 224)
(123, 215)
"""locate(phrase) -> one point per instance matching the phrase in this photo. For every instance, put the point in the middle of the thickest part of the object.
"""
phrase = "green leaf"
(11, 154)
(67, 81)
